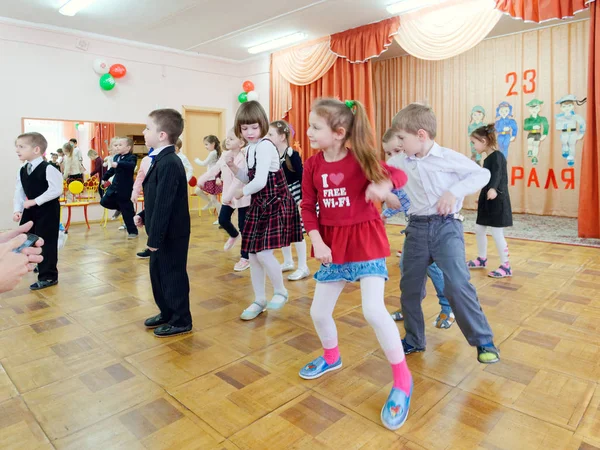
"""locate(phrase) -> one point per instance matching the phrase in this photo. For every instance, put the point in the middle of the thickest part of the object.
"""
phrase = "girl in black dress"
(493, 206)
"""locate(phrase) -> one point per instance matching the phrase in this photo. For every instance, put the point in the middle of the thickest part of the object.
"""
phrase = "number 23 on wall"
(529, 85)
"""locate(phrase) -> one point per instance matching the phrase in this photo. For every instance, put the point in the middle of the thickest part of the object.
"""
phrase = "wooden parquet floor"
(79, 371)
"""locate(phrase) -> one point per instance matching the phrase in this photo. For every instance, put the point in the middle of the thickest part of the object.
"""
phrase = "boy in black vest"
(39, 185)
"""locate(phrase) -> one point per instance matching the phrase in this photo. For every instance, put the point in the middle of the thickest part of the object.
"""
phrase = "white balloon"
(252, 95)
(101, 67)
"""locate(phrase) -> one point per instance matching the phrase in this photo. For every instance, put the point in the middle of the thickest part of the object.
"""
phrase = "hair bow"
(350, 103)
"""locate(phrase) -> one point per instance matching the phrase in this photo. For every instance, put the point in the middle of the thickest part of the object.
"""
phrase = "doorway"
(200, 122)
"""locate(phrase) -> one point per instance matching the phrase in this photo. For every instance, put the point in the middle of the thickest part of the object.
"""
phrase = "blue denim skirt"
(352, 271)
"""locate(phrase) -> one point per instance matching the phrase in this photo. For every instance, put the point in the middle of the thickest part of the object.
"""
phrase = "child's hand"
(229, 161)
(17, 217)
(392, 201)
(29, 203)
(492, 194)
(218, 182)
(137, 220)
(446, 203)
(239, 193)
(378, 191)
(300, 203)
(322, 253)
(114, 165)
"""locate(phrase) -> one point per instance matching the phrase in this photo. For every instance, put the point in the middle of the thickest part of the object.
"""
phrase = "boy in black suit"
(118, 194)
(39, 185)
(167, 220)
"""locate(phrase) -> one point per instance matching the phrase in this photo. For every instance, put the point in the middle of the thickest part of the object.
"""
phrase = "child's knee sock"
(301, 251)
(372, 291)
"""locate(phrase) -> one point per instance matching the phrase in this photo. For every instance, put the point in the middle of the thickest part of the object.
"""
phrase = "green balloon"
(243, 97)
(107, 82)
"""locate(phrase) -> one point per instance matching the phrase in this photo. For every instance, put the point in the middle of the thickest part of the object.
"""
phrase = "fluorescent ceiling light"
(405, 6)
(276, 43)
(72, 7)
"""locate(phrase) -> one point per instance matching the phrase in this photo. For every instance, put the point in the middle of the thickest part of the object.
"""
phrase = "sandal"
(478, 263)
(249, 314)
(397, 315)
(444, 321)
(504, 271)
(275, 305)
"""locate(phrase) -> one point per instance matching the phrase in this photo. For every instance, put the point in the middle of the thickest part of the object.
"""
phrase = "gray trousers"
(441, 240)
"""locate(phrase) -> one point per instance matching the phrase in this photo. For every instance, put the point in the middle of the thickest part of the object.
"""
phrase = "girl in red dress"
(349, 238)
(272, 220)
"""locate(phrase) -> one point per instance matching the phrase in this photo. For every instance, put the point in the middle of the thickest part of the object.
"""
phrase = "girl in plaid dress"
(272, 220)
(291, 163)
(349, 238)
(213, 186)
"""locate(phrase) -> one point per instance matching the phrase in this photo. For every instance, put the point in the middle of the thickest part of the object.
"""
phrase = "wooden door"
(200, 122)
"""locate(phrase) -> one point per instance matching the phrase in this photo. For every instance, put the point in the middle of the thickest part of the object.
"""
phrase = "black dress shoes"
(169, 330)
(42, 284)
(154, 322)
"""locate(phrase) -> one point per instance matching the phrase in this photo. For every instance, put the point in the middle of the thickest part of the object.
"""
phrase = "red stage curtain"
(541, 10)
(103, 134)
(351, 77)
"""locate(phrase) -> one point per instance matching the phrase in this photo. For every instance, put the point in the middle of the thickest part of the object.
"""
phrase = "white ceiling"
(222, 28)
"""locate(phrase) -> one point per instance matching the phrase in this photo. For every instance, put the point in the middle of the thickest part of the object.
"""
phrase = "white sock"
(273, 270)
(372, 292)
(301, 251)
(257, 275)
(215, 203)
(501, 245)
(287, 255)
(481, 241)
(321, 311)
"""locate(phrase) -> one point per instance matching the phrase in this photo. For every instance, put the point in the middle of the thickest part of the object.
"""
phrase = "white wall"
(45, 76)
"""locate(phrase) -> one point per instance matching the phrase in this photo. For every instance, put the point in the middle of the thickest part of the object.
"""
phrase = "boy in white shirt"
(438, 181)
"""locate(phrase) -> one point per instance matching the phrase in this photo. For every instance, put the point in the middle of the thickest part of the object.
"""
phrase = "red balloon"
(117, 70)
(193, 181)
(248, 86)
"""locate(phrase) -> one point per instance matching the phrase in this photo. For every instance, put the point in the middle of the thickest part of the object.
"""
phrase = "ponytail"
(283, 129)
(487, 134)
(362, 142)
(352, 116)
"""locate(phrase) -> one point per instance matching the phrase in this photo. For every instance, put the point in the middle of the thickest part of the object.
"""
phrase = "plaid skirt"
(211, 187)
(273, 219)
(296, 191)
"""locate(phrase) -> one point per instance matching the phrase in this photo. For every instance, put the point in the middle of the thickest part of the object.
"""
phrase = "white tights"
(374, 310)
(300, 250)
(498, 235)
(265, 264)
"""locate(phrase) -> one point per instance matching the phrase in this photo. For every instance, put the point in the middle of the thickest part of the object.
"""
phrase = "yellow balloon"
(75, 187)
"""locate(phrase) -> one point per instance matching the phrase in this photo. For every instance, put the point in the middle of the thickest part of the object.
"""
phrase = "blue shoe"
(395, 410)
(408, 349)
(318, 367)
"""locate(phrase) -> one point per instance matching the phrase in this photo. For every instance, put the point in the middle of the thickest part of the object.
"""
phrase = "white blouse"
(266, 156)
(209, 162)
